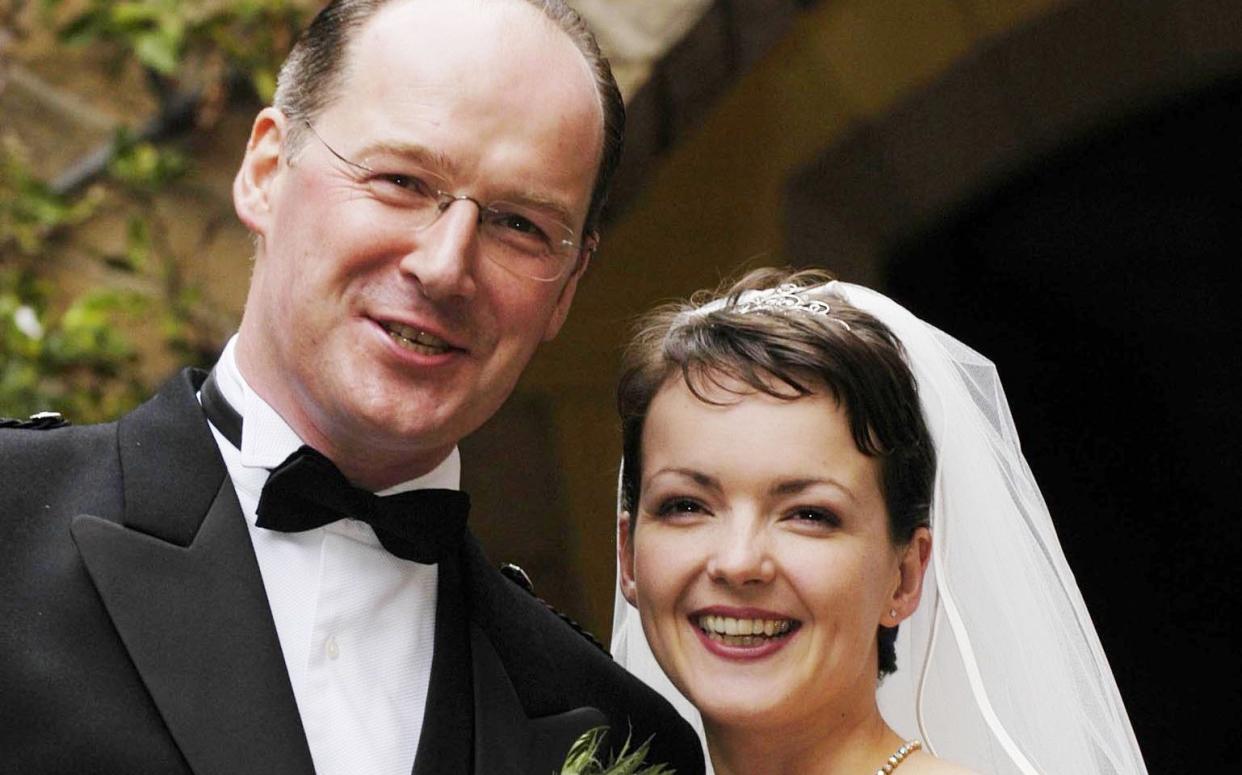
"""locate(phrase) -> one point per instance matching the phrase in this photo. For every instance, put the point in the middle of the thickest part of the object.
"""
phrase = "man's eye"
(522, 225)
(412, 184)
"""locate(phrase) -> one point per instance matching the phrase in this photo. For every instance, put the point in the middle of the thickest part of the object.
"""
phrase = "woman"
(806, 467)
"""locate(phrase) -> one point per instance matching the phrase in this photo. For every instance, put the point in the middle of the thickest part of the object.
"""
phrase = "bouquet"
(583, 758)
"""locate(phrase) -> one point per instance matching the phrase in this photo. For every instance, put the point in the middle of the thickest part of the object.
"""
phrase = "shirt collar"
(267, 439)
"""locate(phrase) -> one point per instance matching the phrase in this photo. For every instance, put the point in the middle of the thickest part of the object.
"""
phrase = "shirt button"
(333, 650)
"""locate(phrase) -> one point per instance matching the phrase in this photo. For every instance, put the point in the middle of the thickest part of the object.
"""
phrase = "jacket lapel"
(506, 740)
(444, 745)
(181, 583)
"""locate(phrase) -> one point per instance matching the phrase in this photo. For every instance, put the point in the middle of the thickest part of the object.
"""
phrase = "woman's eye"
(675, 506)
(815, 516)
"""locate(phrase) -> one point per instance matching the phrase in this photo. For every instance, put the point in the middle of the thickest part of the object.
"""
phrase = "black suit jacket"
(135, 633)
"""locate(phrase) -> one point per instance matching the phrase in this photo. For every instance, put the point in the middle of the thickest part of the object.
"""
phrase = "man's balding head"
(315, 72)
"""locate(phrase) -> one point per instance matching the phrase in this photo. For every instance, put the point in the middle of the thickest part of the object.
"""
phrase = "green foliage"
(144, 168)
(30, 212)
(153, 30)
(75, 362)
(219, 37)
(73, 353)
(583, 758)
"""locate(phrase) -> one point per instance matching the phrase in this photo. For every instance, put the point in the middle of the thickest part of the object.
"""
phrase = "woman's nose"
(740, 555)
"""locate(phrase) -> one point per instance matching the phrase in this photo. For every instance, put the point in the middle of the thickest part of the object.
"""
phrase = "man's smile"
(416, 339)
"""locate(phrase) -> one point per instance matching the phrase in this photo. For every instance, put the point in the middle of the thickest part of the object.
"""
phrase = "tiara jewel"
(783, 298)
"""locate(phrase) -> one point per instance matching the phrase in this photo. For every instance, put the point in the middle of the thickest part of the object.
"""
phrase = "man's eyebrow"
(795, 486)
(435, 161)
(537, 201)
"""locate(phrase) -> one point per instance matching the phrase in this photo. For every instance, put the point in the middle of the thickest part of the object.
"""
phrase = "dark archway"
(1102, 281)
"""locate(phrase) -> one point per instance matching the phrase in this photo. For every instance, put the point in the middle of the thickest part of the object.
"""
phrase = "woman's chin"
(752, 714)
(741, 701)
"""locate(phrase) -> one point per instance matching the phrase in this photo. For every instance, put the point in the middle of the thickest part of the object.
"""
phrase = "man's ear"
(254, 186)
(561, 311)
(911, 568)
(625, 558)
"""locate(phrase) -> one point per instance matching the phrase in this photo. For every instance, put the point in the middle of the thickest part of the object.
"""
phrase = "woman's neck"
(809, 746)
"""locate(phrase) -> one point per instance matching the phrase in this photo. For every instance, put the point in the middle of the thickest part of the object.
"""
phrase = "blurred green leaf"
(159, 50)
(264, 81)
(30, 212)
(143, 165)
(135, 14)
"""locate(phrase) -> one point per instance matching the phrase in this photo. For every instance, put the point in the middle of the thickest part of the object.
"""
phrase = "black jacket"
(135, 633)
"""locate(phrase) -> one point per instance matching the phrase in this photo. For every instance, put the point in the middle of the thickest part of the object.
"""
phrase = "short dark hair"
(314, 73)
(861, 364)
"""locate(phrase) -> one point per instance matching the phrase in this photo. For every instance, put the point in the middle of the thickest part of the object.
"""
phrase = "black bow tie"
(308, 491)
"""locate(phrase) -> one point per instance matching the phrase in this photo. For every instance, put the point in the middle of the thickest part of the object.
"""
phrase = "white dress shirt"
(356, 624)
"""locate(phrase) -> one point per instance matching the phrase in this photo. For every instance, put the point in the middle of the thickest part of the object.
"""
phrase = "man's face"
(375, 338)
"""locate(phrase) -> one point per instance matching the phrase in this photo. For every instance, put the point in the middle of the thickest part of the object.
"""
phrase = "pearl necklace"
(899, 756)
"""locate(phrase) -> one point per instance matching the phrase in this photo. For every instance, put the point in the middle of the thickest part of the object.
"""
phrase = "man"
(179, 594)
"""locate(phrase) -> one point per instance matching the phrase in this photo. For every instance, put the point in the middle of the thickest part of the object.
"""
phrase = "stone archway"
(1004, 104)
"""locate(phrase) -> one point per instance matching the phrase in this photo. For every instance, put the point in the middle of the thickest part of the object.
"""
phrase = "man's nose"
(445, 253)
(739, 555)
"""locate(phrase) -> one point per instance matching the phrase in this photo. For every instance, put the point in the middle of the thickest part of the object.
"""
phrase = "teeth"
(416, 340)
(743, 632)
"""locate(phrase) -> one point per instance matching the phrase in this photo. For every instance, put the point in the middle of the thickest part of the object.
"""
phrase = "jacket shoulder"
(50, 475)
(47, 449)
(40, 421)
(515, 574)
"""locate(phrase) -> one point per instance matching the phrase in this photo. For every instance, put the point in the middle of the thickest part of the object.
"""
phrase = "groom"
(209, 584)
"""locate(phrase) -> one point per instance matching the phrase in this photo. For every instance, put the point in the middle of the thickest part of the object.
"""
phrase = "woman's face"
(761, 562)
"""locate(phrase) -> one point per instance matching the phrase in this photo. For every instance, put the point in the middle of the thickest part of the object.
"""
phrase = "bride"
(833, 557)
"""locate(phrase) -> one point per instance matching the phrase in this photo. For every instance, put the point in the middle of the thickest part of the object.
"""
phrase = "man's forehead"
(489, 98)
(435, 51)
(484, 25)
(415, 44)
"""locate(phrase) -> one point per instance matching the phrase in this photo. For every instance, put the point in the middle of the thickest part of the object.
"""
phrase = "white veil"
(1000, 669)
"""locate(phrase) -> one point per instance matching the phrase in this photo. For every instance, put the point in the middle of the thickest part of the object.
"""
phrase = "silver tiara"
(785, 298)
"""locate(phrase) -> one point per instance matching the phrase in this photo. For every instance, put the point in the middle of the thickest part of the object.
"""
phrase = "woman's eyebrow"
(698, 477)
(795, 486)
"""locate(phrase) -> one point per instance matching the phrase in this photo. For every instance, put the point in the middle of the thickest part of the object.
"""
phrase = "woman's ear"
(911, 568)
(625, 557)
(254, 186)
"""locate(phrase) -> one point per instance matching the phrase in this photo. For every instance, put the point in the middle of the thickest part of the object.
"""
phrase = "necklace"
(899, 756)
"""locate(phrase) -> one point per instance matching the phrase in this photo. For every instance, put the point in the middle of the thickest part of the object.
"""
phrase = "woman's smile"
(743, 634)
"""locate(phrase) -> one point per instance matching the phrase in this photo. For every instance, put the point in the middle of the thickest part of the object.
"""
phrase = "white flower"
(27, 321)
